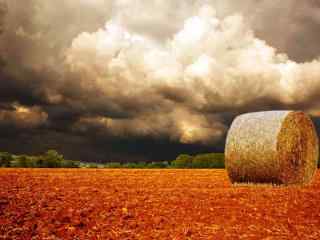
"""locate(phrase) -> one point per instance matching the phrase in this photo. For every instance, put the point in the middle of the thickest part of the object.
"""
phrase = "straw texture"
(279, 147)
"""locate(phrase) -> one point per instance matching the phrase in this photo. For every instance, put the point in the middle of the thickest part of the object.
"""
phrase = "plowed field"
(151, 204)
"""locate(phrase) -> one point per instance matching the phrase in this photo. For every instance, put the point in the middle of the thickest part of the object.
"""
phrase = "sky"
(135, 80)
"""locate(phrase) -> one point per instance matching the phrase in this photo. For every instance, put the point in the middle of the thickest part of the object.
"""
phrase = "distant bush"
(70, 164)
(138, 165)
(134, 165)
(22, 161)
(210, 160)
(158, 165)
(5, 159)
(89, 165)
(112, 165)
(182, 161)
(51, 159)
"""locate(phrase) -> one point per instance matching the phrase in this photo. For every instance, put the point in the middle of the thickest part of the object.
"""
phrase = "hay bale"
(279, 147)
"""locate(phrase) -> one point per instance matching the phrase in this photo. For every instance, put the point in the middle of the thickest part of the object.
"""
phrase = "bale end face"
(298, 149)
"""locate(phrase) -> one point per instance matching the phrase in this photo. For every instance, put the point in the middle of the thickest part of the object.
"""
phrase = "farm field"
(151, 204)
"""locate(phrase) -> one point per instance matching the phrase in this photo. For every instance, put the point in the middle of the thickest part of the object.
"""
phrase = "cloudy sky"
(121, 80)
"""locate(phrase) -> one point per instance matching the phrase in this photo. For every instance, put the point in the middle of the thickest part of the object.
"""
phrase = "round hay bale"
(279, 147)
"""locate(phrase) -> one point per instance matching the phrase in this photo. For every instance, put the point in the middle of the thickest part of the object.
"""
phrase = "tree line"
(52, 159)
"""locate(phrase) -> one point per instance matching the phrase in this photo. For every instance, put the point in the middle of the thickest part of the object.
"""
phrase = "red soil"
(152, 204)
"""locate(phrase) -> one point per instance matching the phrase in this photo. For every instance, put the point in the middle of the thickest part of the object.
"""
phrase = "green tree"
(52, 159)
(70, 164)
(5, 159)
(209, 160)
(182, 161)
(22, 161)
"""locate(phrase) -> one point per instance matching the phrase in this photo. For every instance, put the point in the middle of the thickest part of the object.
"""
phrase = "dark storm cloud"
(113, 80)
(296, 25)
(291, 26)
